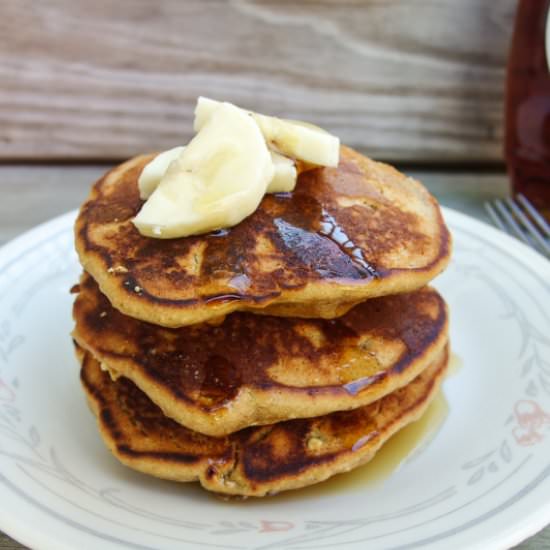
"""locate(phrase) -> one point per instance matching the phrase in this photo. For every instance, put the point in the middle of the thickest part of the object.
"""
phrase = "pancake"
(254, 370)
(255, 461)
(345, 234)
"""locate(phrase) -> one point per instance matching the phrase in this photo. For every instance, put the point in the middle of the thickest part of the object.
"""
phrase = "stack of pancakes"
(271, 355)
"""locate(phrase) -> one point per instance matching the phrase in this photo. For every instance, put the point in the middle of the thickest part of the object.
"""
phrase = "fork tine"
(542, 223)
(511, 223)
(495, 217)
(531, 229)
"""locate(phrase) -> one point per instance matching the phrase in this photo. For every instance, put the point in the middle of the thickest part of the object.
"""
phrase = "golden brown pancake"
(255, 461)
(345, 234)
(254, 369)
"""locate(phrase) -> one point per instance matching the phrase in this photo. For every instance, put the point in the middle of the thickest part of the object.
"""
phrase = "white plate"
(482, 482)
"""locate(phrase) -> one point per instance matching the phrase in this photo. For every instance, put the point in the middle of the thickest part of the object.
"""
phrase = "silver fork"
(519, 217)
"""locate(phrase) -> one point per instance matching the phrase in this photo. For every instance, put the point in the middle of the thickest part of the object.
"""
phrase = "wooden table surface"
(33, 194)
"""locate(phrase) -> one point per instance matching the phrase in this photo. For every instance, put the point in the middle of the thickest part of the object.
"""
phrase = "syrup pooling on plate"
(402, 447)
(456, 364)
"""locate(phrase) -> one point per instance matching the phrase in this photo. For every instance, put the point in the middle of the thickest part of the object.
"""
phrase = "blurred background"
(409, 81)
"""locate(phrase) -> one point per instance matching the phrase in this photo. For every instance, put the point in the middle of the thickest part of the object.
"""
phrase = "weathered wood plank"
(404, 80)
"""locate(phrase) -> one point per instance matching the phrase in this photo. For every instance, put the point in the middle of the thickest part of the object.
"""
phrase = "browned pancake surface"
(255, 461)
(345, 234)
(261, 369)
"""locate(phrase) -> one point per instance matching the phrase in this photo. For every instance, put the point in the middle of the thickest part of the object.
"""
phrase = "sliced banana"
(284, 178)
(295, 139)
(284, 175)
(217, 181)
(152, 173)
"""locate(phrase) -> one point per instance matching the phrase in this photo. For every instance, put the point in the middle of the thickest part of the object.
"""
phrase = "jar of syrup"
(527, 147)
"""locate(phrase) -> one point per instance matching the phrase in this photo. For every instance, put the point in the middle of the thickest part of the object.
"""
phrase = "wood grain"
(406, 80)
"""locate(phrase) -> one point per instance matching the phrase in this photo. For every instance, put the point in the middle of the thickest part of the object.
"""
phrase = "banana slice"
(152, 173)
(218, 180)
(284, 178)
(295, 139)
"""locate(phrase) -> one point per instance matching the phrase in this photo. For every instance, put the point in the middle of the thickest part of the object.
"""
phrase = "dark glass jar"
(528, 104)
